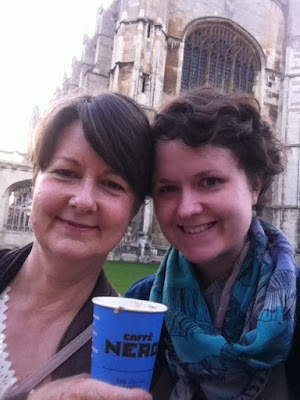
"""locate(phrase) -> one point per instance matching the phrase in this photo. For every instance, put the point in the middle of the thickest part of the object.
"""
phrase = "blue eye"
(65, 173)
(166, 189)
(114, 186)
(211, 182)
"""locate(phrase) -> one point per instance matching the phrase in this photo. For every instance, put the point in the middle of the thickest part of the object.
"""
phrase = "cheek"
(37, 200)
(163, 213)
(37, 215)
(45, 201)
(120, 212)
(37, 212)
(237, 216)
(237, 211)
(239, 199)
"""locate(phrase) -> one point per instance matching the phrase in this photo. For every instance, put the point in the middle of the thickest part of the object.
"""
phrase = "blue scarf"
(259, 322)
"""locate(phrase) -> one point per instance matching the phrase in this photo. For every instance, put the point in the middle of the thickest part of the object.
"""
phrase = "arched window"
(217, 55)
(19, 207)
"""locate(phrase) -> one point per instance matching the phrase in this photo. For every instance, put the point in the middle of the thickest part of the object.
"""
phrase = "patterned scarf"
(259, 321)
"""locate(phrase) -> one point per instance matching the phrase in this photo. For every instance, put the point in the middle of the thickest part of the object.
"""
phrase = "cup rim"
(129, 304)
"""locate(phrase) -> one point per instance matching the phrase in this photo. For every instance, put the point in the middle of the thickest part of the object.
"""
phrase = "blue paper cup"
(126, 335)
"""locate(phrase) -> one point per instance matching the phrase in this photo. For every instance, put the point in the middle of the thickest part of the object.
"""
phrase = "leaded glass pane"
(203, 65)
(237, 75)
(243, 84)
(227, 74)
(212, 68)
(195, 67)
(186, 66)
(251, 76)
(220, 71)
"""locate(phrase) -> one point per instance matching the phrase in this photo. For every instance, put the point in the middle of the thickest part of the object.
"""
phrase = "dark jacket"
(11, 262)
(141, 290)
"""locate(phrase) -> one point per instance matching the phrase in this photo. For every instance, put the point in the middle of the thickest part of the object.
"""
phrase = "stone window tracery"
(19, 207)
(217, 55)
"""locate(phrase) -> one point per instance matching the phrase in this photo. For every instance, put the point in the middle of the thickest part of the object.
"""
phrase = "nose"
(190, 204)
(83, 197)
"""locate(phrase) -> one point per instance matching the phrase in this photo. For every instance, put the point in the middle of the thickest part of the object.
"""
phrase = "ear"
(256, 188)
(255, 194)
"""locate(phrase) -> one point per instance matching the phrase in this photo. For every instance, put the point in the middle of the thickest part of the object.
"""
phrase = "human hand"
(83, 388)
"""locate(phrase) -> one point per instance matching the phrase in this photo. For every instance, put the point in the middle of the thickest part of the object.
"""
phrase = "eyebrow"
(68, 159)
(197, 175)
(108, 170)
(163, 180)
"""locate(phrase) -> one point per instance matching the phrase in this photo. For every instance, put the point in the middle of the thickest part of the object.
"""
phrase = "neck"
(53, 282)
(207, 274)
(221, 267)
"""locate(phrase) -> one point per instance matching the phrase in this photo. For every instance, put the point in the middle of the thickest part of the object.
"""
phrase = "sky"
(38, 40)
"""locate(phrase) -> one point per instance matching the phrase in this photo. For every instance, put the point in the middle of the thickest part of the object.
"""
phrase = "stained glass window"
(220, 56)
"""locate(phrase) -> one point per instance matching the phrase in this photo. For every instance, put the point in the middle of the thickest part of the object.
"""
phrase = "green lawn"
(122, 275)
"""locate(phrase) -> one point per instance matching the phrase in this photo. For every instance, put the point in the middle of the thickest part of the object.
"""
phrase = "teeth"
(197, 229)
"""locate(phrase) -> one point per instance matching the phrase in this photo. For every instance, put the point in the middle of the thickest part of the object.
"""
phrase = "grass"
(122, 275)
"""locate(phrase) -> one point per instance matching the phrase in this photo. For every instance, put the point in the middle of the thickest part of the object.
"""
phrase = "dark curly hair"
(205, 116)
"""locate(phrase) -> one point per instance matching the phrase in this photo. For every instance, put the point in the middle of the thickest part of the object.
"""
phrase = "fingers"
(138, 394)
(97, 390)
(104, 391)
(81, 388)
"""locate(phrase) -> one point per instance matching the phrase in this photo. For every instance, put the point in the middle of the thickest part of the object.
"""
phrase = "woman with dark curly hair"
(229, 279)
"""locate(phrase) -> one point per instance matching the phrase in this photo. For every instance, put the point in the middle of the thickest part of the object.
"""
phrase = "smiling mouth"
(197, 229)
(78, 225)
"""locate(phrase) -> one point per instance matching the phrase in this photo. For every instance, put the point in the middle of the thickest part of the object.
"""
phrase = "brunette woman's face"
(81, 208)
(203, 200)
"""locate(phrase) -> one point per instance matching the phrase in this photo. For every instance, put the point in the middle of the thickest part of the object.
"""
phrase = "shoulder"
(141, 289)
(298, 292)
(11, 256)
(3, 252)
(293, 361)
(11, 262)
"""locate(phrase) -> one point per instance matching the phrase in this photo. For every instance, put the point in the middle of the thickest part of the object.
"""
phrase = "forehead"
(174, 157)
(71, 138)
(73, 149)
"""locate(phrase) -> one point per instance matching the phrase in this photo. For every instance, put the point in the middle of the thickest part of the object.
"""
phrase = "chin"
(197, 258)
(74, 252)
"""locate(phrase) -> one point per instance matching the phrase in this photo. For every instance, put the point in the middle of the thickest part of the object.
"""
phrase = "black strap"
(59, 358)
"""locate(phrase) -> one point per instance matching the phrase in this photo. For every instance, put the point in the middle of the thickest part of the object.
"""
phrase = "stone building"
(151, 49)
